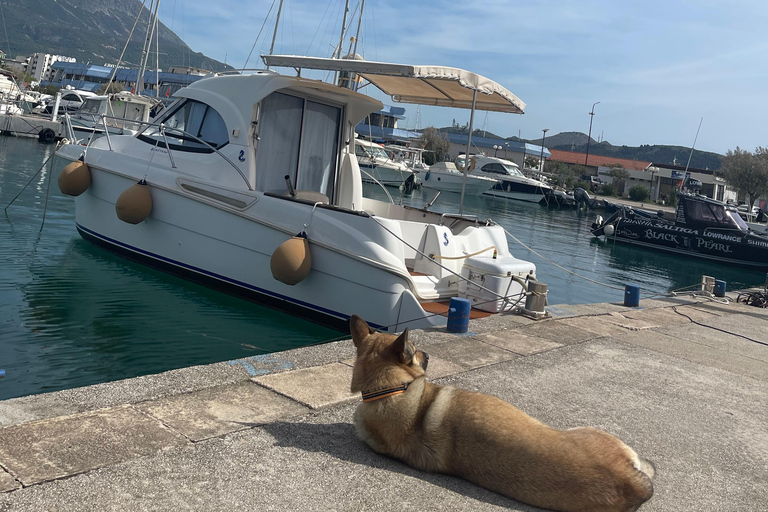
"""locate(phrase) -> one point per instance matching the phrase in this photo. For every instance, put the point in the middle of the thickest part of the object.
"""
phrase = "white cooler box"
(495, 275)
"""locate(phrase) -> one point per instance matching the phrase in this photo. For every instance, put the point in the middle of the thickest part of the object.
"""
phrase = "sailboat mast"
(277, 23)
(147, 46)
(357, 37)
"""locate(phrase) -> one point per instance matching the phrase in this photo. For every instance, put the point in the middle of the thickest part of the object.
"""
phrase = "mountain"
(92, 31)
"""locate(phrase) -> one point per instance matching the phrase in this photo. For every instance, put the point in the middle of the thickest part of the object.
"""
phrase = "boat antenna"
(694, 144)
(151, 24)
(277, 22)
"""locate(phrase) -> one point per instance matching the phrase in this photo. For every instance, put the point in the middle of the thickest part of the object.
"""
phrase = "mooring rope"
(559, 266)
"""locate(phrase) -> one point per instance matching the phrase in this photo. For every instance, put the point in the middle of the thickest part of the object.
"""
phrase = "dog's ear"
(403, 349)
(358, 329)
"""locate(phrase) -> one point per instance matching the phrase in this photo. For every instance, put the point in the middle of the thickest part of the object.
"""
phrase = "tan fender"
(291, 261)
(75, 178)
(134, 204)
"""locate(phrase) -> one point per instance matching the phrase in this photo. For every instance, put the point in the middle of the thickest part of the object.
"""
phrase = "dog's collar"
(376, 394)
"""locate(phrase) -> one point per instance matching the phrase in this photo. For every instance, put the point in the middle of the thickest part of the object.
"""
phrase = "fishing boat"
(701, 227)
(248, 183)
(511, 183)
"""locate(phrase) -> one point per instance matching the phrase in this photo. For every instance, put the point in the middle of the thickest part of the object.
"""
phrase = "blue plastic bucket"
(458, 314)
(719, 290)
(631, 295)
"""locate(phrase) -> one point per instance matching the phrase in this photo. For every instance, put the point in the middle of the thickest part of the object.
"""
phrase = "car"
(594, 182)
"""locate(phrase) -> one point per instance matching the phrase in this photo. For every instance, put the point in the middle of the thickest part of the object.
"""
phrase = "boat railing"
(162, 129)
(379, 184)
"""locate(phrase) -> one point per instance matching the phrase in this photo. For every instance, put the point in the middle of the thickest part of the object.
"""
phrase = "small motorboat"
(702, 227)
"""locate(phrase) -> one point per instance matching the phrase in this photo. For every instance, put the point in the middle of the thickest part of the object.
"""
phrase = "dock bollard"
(631, 295)
(537, 299)
(458, 314)
(719, 290)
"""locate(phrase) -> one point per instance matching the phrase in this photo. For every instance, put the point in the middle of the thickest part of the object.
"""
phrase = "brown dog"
(484, 439)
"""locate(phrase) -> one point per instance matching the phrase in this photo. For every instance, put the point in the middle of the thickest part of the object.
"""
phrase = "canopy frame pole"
(466, 155)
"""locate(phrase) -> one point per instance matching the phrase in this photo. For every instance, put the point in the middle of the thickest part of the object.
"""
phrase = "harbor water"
(72, 314)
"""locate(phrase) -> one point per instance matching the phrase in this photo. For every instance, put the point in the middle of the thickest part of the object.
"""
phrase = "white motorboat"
(445, 177)
(122, 113)
(377, 166)
(512, 184)
(240, 164)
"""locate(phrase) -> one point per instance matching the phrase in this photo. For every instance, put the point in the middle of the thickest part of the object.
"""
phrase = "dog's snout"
(426, 361)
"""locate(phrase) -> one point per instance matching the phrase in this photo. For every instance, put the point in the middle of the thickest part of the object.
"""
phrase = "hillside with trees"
(577, 142)
(92, 31)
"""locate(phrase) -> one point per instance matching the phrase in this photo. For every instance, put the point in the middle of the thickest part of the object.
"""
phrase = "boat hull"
(231, 252)
(449, 182)
(737, 249)
(517, 191)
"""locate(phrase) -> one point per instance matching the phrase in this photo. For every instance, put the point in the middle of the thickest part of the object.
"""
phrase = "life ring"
(46, 136)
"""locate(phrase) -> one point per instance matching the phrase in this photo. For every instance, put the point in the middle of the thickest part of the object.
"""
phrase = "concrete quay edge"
(45, 438)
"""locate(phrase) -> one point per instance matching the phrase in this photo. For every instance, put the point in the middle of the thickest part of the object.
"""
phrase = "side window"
(191, 121)
(70, 97)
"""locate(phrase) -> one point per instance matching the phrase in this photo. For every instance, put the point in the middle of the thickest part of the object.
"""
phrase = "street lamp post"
(541, 156)
(506, 147)
(589, 137)
(495, 150)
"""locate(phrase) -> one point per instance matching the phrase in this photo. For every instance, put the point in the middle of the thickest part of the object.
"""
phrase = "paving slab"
(68, 445)
(567, 310)
(517, 342)
(498, 322)
(596, 324)
(741, 324)
(557, 331)
(696, 351)
(315, 387)
(717, 339)
(221, 410)
(470, 353)
(694, 314)
(7, 482)
(657, 316)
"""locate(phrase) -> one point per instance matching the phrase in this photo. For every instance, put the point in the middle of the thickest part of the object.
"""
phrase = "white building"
(39, 67)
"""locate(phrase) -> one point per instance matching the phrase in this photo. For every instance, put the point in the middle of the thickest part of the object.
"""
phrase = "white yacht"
(122, 113)
(378, 166)
(444, 176)
(512, 184)
(249, 183)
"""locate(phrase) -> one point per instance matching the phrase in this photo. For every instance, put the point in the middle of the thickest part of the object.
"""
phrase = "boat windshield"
(377, 152)
(713, 214)
(736, 219)
(501, 168)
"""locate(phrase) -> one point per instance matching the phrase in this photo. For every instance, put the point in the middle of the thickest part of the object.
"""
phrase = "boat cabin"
(700, 212)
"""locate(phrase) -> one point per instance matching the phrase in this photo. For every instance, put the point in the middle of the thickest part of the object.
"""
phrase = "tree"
(531, 162)
(435, 143)
(619, 174)
(638, 193)
(747, 172)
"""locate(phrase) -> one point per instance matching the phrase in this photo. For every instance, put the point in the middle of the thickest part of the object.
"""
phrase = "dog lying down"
(483, 439)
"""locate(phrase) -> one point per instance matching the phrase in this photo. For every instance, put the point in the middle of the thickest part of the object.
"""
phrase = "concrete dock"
(684, 381)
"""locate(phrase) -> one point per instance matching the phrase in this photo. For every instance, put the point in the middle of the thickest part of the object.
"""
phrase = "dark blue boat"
(702, 227)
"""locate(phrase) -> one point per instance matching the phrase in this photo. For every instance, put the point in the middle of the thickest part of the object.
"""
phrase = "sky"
(657, 68)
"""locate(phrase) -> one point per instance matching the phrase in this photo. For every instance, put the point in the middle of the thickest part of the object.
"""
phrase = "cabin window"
(298, 138)
(495, 168)
(190, 121)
